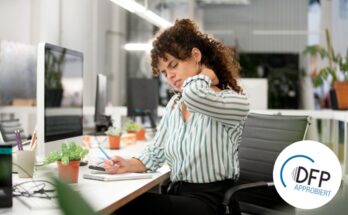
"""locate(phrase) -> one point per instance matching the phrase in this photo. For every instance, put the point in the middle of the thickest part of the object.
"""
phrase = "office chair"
(263, 138)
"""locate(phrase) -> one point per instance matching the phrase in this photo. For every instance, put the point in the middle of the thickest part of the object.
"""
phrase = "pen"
(18, 140)
(33, 141)
(106, 155)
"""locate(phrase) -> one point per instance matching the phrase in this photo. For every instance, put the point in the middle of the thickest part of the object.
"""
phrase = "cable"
(26, 192)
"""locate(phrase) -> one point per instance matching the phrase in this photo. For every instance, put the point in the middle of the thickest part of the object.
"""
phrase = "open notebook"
(117, 177)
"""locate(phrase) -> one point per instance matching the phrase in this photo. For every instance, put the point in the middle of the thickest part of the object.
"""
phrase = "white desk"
(102, 196)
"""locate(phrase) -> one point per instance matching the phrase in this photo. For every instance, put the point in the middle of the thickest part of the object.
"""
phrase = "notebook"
(117, 177)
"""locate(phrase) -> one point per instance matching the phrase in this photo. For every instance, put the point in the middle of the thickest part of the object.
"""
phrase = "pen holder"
(25, 161)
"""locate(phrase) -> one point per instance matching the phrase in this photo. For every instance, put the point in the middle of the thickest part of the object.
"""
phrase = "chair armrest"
(229, 194)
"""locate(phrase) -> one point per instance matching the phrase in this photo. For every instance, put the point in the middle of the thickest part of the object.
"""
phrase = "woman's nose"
(171, 74)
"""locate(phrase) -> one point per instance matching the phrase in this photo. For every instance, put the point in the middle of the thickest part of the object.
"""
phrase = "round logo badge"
(307, 174)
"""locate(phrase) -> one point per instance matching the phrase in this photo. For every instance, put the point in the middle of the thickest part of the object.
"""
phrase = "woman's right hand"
(117, 165)
(120, 165)
(211, 74)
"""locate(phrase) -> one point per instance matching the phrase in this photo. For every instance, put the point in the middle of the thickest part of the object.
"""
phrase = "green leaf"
(69, 151)
(132, 126)
(113, 131)
(52, 157)
(318, 81)
(65, 160)
(70, 201)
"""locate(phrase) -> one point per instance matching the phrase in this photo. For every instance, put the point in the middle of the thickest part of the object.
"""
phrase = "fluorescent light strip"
(220, 32)
(134, 7)
(282, 32)
(138, 46)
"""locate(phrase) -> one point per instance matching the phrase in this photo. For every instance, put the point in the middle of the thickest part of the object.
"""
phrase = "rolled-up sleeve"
(226, 106)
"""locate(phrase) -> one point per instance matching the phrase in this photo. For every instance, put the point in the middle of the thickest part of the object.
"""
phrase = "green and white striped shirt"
(205, 148)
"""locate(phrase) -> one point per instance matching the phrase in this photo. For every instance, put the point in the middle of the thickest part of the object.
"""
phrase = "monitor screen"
(59, 96)
(5, 176)
(100, 99)
(143, 98)
(143, 95)
(102, 121)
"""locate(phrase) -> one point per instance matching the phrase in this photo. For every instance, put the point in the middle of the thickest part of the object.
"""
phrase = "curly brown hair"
(179, 40)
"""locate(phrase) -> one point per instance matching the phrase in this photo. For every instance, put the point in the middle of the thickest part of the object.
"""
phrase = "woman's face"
(177, 71)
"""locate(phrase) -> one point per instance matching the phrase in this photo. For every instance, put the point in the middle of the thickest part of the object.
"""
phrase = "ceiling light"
(138, 46)
(134, 7)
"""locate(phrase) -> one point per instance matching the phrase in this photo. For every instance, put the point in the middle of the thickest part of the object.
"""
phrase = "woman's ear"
(196, 54)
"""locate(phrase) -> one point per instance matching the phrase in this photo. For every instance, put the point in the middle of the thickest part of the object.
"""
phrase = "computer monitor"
(143, 98)
(102, 121)
(59, 98)
(5, 176)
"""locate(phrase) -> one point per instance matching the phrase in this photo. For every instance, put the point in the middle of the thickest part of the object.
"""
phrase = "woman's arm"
(153, 156)
(227, 106)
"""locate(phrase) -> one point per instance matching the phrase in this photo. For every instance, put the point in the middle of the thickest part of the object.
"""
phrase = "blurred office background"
(269, 37)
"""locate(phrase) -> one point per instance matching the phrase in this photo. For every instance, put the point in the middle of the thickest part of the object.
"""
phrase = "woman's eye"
(174, 66)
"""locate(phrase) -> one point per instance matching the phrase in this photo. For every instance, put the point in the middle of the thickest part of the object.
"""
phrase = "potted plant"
(68, 161)
(114, 136)
(132, 127)
(337, 71)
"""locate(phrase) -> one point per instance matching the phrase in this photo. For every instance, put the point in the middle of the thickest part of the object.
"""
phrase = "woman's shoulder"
(231, 92)
(173, 100)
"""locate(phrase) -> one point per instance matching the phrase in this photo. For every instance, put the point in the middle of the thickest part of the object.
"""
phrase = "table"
(102, 196)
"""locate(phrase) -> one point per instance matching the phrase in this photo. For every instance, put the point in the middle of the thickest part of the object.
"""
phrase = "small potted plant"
(336, 72)
(68, 161)
(114, 136)
(132, 127)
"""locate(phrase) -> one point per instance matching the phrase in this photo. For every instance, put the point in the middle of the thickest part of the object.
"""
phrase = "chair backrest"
(263, 138)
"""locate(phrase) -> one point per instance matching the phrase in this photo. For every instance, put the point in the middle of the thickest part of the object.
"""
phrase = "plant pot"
(140, 134)
(70, 172)
(114, 142)
(333, 99)
(342, 94)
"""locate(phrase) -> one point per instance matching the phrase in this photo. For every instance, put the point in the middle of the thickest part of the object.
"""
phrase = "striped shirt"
(204, 148)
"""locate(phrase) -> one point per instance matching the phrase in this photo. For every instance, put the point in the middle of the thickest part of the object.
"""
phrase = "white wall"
(243, 22)
(14, 20)
(84, 25)
(339, 27)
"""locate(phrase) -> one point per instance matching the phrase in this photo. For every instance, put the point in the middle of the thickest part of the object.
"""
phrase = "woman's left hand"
(211, 74)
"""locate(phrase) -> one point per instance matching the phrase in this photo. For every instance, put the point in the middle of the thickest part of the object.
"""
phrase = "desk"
(102, 196)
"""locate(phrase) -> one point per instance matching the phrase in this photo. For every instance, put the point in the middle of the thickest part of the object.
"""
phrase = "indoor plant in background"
(132, 127)
(336, 73)
(68, 161)
(114, 136)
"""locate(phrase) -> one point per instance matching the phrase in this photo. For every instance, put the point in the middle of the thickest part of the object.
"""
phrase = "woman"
(199, 134)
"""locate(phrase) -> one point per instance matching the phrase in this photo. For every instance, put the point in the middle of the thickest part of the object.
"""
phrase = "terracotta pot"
(70, 172)
(140, 134)
(114, 142)
(342, 94)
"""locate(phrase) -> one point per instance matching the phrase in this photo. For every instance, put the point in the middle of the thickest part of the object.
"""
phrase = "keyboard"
(35, 203)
